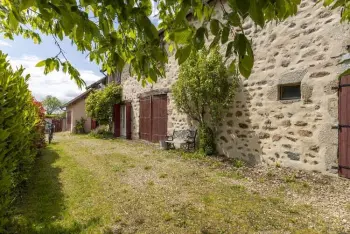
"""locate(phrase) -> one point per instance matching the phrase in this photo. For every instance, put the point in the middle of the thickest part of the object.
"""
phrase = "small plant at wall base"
(204, 91)
(99, 104)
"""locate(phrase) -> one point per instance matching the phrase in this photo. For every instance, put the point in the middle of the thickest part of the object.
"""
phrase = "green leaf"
(256, 13)
(234, 19)
(243, 6)
(214, 27)
(13, 22)
(171, 48)
(229, 49)
(41, 63)
(199, 38)
(25, 4)
(149, 29)
(232, 67)
(225, 34)
(246, 63)
(215, 41)
(183, 53)
(182, 36)
(240, 43)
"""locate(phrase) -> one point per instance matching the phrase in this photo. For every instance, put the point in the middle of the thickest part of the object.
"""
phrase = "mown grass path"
(86, 185)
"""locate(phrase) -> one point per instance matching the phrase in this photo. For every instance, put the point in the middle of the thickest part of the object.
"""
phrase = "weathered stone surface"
(286, 123)
(300, 123)
(243, 125)
(264, 135)
(333, 107)
(305, 133)
(276, 137)
(292, 77)
(285, 63)
(239, 113)
(229, 115)
(230, 123)
(288, 146)
(306, 92)
(292, 155)
(224, 139)
(291, 138)
(310, 53)
(331, 87)
(314, 148)
(279, 116)
(319, 74)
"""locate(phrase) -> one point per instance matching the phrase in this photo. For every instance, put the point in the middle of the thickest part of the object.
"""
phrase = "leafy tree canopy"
(115, 32)
(99, 104)
(51, 104)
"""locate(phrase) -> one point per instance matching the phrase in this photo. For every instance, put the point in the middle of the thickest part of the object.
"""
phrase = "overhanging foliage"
(115, 33)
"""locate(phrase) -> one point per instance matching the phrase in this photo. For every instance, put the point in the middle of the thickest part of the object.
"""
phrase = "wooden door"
(145, 127)
(344, 127)
(128, 120)
(93, 124)
(159, 117)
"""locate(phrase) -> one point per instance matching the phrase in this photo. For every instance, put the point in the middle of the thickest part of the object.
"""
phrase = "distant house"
(76, 108)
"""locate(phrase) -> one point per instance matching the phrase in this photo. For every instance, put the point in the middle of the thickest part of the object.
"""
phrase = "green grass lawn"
(86, 185)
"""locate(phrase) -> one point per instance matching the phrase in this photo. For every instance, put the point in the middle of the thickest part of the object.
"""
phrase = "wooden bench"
(185, 138)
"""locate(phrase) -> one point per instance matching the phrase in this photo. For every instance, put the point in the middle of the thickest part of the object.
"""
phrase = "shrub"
(21, 134)
(204, 91)
(80, 126)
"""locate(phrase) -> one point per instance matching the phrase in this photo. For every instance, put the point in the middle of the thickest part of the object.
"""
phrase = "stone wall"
(259, 128)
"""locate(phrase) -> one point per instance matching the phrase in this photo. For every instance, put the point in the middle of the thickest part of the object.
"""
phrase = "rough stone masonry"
(260, 128)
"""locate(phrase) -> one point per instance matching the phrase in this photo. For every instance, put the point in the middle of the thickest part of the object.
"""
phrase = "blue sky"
(24, 52)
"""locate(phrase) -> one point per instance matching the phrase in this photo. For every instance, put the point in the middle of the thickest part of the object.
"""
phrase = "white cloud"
(5, 44)
(55, 83)
(155, 13)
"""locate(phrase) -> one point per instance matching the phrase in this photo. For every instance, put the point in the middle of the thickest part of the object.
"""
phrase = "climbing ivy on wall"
(204, 90)
(99, 104)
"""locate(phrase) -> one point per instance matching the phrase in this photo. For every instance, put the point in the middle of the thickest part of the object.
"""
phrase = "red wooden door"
(93, 124)
(344, 127)
(116, 120)
(159, 117)
(145, 127)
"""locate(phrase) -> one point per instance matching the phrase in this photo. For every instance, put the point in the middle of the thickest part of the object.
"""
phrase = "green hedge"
(20, 135)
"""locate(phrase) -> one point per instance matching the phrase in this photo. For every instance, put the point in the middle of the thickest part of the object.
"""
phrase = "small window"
(290, 92)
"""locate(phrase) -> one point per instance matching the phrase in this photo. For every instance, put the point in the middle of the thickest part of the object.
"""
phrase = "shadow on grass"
(40, 207)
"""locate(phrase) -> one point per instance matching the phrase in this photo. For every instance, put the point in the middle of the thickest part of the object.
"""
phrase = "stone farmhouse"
(285, 114)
